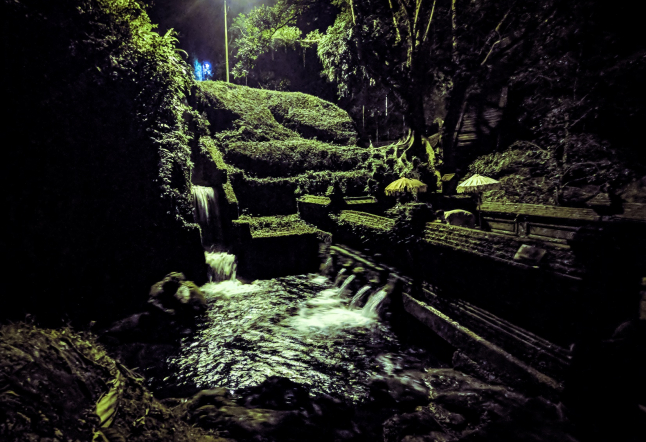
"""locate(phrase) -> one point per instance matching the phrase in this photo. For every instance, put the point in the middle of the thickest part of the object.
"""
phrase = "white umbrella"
(478, 184)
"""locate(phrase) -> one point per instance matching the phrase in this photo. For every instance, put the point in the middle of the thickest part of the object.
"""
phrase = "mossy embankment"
(279, 145)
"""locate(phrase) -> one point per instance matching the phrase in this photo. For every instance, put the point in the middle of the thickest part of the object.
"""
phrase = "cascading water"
(327, 265)
(338, 277)
(204, 200)
(346, 283)
(222, 266)
(358, 298)
(207, 214)
(374, 304)
(298, 327)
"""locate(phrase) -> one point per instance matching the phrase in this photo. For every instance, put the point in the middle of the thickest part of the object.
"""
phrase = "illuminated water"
(298, 327)
(206, 212)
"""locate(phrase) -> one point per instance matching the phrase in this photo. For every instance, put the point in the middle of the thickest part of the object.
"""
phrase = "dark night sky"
(200, 24)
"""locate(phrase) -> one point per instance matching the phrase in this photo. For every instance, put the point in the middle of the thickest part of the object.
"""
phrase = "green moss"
(277, 134)
(312, 117)
(290, 157)
(207, 146)
(267, 226)
(229, 193)
(367, 221)
(314, 199)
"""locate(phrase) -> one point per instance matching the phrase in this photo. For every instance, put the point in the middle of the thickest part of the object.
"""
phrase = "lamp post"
(226, 40)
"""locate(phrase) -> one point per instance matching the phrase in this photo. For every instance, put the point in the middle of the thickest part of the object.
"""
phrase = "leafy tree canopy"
(542, 51)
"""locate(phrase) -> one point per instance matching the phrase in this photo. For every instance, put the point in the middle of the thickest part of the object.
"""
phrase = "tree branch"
(418, 6)
(395, 24)
(497, 31)
(429, 20)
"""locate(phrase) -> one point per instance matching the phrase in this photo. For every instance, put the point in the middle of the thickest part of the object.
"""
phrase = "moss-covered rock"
(263, 115)
(175, 296)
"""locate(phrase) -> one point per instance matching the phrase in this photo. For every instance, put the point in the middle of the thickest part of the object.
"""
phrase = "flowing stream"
(303, 328)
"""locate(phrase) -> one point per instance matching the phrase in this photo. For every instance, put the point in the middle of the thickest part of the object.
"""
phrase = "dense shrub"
(530, 173)
(97, 176)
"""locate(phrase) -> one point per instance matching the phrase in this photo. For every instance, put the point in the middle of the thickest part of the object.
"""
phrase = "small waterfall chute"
(358, 298)
(346, 283)
(222, 266)
(338, 277)
(374, 304)
(207, 214)
(326, 266)
(204, 201)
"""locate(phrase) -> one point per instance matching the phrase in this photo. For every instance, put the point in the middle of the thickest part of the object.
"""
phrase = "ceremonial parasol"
(478, 184)
(405, 185)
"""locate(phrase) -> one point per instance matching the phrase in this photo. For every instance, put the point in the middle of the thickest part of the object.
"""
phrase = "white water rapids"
(299, 327)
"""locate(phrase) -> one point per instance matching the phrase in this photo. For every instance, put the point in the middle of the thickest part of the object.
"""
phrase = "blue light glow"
(202, 70)
(206, 70)
(199, 74)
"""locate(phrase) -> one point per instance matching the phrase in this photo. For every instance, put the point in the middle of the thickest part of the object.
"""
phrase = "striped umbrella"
(404, 185)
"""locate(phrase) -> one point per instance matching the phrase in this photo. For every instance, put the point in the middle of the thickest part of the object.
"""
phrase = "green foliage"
(263, 29)
(52, 380)
(532, 174)
(270, 133)
(101, 99)
(336, 53)
(312, 117)
(112, 46)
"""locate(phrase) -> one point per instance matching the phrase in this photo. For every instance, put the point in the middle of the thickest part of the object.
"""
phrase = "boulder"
(147, 338)
(462, 408)
(461, 218)
(406, 390)
(276, 410)
(177, 297)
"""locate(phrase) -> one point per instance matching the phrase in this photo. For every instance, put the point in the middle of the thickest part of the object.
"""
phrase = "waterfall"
(338, 277)
(204, 199)
(326, 267)
(357, 298)
(222, 266)
(346, 283)
(207, 214)
(374, 303)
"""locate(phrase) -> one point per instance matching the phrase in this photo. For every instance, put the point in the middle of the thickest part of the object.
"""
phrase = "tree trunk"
(457, 105)
(413, 102)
